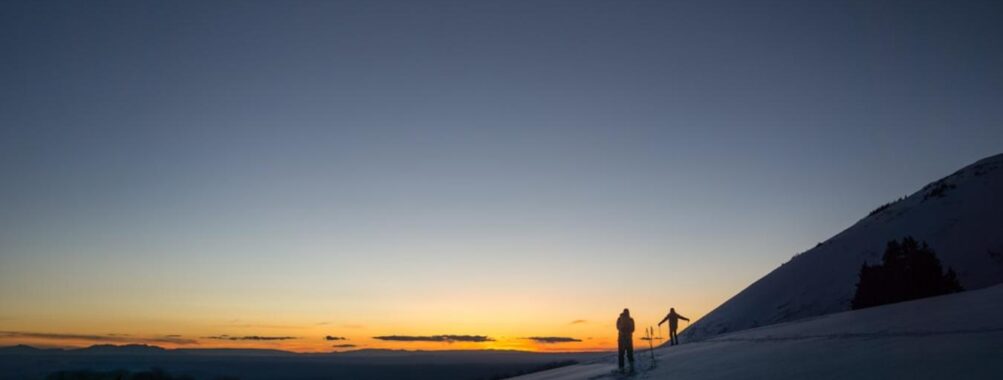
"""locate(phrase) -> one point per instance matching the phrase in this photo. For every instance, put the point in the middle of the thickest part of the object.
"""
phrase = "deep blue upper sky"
(571, 146)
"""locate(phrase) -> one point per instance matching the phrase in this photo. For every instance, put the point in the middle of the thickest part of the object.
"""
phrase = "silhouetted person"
(625, 341)
(673, 319)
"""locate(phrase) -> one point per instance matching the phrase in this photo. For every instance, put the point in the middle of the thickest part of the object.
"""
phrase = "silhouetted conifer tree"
(909, 270)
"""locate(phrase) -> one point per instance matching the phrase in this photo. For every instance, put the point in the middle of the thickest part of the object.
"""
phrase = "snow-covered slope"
(957, 336)
(960, 216)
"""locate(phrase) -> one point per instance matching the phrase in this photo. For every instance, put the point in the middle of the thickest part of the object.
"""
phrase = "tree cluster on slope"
(938, 189)
(884, 207)
(909, 270)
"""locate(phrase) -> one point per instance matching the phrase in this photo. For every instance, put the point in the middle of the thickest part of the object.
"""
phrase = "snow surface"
(959, 216)
(958, 336)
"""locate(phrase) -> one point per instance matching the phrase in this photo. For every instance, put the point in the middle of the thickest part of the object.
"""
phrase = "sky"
(265, 174)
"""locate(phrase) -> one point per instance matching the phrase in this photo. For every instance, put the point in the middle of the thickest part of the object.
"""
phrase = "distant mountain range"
(136, 349)
(960, 216)
(143, 349)
(26, 362)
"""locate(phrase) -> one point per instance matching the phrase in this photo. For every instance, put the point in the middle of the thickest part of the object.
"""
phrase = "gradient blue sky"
(459, 165)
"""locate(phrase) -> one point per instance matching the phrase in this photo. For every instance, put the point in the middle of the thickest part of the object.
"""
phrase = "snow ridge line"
(872, 335)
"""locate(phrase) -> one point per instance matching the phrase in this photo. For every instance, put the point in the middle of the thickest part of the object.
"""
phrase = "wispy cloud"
(238, 323)
(335, 338)
(553, 339)
(435, 338)
(249, 337)
(108, 338)
(265, 326)
(578, 322)
(346, 345)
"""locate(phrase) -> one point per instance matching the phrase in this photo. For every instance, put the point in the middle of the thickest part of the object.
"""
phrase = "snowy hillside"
(957, 336)
(960, 216)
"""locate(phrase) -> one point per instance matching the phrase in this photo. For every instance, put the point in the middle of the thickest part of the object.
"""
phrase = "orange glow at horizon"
(590, 335)
(318, 344)
(501, 311)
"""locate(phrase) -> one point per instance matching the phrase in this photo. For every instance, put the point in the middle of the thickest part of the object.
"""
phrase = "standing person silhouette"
(625, 341)
(673, 319)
